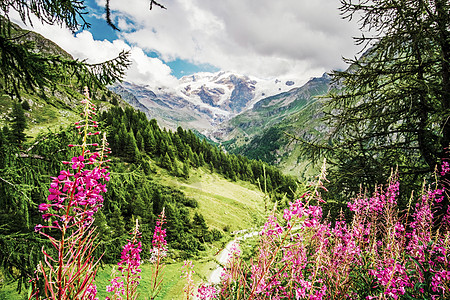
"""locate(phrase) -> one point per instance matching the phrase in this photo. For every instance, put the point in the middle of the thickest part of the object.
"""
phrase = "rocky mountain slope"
(246, 115)
(272, 110)
(265, 132)
(201, 101)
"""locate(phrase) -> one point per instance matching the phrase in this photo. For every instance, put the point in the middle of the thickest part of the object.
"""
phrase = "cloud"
(253, 37)
(143, 69)
(262, 38)
(149, 70)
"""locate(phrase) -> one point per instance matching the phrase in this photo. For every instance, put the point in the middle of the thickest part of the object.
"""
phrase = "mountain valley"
(246, 116)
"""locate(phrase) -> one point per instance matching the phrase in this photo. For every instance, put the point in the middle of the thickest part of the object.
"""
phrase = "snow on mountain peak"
(206, 99)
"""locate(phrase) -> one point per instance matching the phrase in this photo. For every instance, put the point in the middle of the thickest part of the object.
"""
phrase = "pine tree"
(131, 151)
(149, 140)
(179, 146)
(22, 67)
(18, 125)
(248, 172)
(195, 160)
(391, 107)
(201, 159)
(186, 169)
(140, 141)
(200, 228)
(190, 153)
(166, 162)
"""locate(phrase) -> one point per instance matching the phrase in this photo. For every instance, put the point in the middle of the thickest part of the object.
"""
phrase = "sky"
(261, 38)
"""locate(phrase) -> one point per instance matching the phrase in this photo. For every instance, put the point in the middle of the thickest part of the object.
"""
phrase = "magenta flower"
(271, 227)
(74, 196)
(445, 168)
(44, 206)
(126, 283)
(157, 254)
(78, 162)
(91, 292)
(206, 292)
(159, 242)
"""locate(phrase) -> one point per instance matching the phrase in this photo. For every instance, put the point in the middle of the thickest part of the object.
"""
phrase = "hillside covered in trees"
(139, 148)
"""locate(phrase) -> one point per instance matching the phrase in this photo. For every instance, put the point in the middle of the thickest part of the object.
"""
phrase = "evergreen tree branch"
(65, 13)
(153, 2)
(108, 17)
(14, 187)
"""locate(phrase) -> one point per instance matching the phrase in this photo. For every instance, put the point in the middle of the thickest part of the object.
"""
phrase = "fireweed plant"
(127, 282)
(206, 292)
(69, 271)
(158, 253)
(187, 272)
(379, 254)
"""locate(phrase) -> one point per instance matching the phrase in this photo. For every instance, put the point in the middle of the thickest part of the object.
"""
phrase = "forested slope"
(140, 151)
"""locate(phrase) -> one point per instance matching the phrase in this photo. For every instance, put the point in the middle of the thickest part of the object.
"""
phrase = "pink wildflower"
(187, 272)
(159, 239)
(206, 292)
(445, 168)
(43, 207)
(271, 227)
(91, 292)
(127, 282)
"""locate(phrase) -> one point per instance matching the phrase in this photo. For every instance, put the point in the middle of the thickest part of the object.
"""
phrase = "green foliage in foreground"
(135, 191)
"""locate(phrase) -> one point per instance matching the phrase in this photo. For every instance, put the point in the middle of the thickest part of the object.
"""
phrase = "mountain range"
(246, 115)
(202, 101)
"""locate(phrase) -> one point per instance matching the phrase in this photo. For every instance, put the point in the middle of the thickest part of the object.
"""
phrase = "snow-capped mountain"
(204, 100)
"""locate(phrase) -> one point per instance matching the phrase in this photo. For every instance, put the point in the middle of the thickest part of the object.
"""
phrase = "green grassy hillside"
(226, 205)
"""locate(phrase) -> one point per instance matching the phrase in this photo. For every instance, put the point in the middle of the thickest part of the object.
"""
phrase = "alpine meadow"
(135, 168)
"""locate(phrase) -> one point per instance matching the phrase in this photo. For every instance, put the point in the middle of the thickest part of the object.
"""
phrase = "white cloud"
(250, 37)
(263, 38)
(124, 25)
(143, 69)
(148, 70)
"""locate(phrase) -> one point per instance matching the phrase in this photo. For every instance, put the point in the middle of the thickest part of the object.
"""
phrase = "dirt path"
(223, 255)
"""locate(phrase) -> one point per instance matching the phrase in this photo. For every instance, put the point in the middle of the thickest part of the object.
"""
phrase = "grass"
(294, 164)
(223, 203)
(8, 292)
(172, 286)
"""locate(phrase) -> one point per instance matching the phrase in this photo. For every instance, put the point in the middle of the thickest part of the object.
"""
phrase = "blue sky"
(289, 39)
(102, 31)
